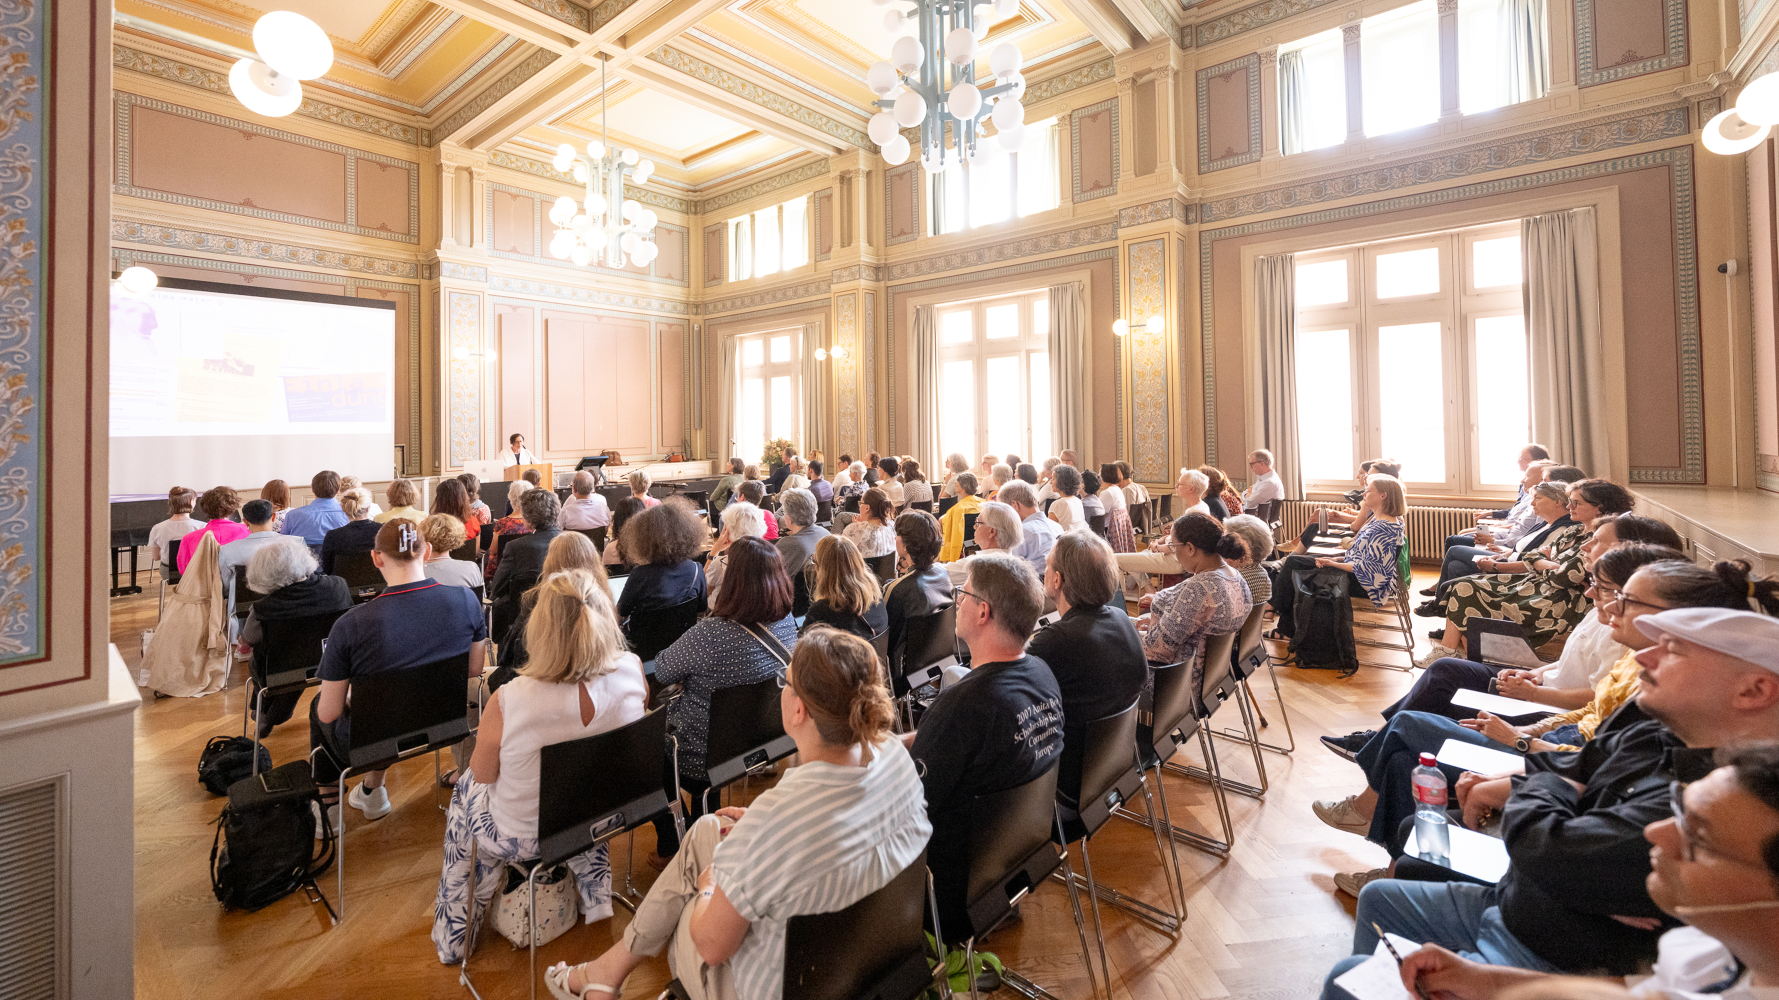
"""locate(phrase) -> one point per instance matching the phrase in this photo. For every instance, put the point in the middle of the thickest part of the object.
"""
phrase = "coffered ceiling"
(709, 89)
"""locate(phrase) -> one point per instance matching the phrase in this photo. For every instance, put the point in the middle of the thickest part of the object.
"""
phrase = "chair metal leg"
(1248, 736)
(1167, 923)
(1099, 929)
(340, 844)
(258, 715)
(1284, 714)
(1167, 821)
(531, 888)
(471, 925)
(1209, 845)
(438, 782)
(246, 708)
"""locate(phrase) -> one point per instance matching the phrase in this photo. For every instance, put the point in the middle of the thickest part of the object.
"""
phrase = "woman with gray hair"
(289, 578)
(639, 487)
(1258, 540)
(740, 520)
(955, 463)
(797, 531)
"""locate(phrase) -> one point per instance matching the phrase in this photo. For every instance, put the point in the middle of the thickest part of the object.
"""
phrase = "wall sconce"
(137, 280)
(1156, 324)
(464, 354)
(837, 353)
(1745, 126)
(1121, 328)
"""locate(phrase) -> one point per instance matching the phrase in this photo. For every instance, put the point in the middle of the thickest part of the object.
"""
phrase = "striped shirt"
(821, 840)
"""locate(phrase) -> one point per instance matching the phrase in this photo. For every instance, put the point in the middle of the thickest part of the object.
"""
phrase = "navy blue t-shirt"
(408, 625)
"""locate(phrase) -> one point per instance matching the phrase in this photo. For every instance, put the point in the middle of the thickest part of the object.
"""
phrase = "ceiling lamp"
(605, 225)
(930, 79)
(1746, 125)
(290, 48)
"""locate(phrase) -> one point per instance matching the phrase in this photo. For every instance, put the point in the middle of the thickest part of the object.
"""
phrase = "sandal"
(556, 981)
(448, 779)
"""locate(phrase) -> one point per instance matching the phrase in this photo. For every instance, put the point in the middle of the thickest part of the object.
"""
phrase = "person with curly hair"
(217, 505)
(660, 542)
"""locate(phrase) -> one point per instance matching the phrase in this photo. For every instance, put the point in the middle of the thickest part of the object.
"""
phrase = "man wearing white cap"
(1573, 898)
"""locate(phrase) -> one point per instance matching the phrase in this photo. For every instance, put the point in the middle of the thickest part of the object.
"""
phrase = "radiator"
(1428, 527)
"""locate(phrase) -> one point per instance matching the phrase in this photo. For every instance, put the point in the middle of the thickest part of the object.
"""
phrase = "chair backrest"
(926, 505)
(880, 642)
(398, 712)
(658, 628)
(800, 592)
(1047, 502)
(850, 503)
(874, 949)
(173, 561)
(359, 572)
(594, 535)
(1110, 771)
(1250, 648)
(595, 787)
(485, 537)
(1268, 511)
(470, 551)
(245, 596)
(746, 731)
(925, 641)
(1219, 673)
(1010, 849)
(1404, 573)
(969, 527)
(1097, 524)
(884, 566)
(824, 511)
(1476, 626)
(1172, 706)
(290, 650)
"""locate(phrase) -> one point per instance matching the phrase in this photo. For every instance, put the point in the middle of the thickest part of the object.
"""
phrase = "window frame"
(743, 253)
(980, 350)
(766, 371)
(959, 169)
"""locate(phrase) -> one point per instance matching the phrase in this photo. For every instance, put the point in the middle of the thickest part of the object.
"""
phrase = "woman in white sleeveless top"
(581, 680)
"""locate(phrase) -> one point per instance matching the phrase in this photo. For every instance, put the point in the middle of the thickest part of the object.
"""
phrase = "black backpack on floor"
(1323, 614)
(265, 846)
(228, 759)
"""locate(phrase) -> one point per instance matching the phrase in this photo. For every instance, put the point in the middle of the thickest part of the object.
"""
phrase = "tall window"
(994, 375)
(771, 390)
(1501, 53)
(997, 186)
(773, 239)
(1313, 92)
(1414, 350)
(1399, 68)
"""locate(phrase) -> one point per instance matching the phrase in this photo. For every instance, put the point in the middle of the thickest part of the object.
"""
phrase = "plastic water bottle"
(1431, 834)
(1322, 520)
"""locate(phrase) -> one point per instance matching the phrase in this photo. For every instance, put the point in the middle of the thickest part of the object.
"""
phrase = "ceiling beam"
(663, 24)
(711, 98)
(1108, 24)
(1150, 18)
(529, 105)
(531, 25)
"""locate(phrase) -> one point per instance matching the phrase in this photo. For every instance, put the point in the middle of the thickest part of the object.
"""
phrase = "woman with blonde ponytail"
(837, 827)
(581, 680)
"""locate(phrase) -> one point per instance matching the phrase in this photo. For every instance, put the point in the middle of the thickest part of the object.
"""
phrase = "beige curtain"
(1275, 332)
(814, 428)
(1068, 368)
(1560, 256)
(926, 390)
(728, 395)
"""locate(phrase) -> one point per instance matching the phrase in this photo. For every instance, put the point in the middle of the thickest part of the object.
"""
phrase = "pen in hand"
(1385, 938)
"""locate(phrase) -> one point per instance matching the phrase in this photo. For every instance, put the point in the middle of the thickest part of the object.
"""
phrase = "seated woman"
(402, 497)
(444, 535)
(1257, 539)
(872, 532)
(955, 463)
(1370, 560)
(840, 825)
(472, 487)
(754, 492)
(998, 529)
(277, 492)
(1117, 506)
(1212, 601)
(1091, 504)
(999, 476)
(568, 551)
(179, 523)
(925, 586)
(847, 595)
(1212, 493)
(660, 543)
(581, 681)
(354, 483)
(218, 505)
(1065, 505)
(889, 479)
(1655, 579)
(512, 524)
(855, 484)
(415, 621)
(740, 520)
(622, 513)
(450, 498)
(747, 638)
(358, 534)
(794, 479)
(951, 526)
(915, 488)
(289, 578)
(1543, 590)
(1462, 561)
(1347, 520)
(639, 488)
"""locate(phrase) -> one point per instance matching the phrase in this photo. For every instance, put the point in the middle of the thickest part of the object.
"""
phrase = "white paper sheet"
(1509, 650)
(1475, 854)
(1495, 704)
(1379, 977)
(1482, 760)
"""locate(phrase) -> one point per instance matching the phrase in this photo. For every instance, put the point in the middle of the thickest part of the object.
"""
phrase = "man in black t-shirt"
(999, 727)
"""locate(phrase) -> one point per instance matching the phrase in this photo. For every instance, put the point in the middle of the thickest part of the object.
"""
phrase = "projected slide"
(194, 370)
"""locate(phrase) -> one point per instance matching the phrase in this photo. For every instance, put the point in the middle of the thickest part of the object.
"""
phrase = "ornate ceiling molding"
(794, 175)
(152, 234)
(755, 94)
(508, 82)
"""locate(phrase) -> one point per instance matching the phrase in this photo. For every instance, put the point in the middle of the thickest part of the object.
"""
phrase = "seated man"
(586, 509)
(997, 530)
(312, 521)
(413, 622)
(753, 491)
(1093, 650)
(261, 520)
(1266, 486)
(1000, 728)
(1574, 897)
(1037, 532)
(1707, 868)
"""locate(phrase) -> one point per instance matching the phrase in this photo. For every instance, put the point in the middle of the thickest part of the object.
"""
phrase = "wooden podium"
(544, 469)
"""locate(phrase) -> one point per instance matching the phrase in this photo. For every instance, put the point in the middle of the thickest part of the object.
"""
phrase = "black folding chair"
(1170, 723)
(945, 504)
(362, 577)
(926, 505)
(746, 736)
(884, 566)
(800, 601)
(1217, 685)
(284, 662)
(1250, 654)
(929, 644)
(171, 577)
(658, 628)
(594, 535)
(850, 504)
(470, 551)
(485, 538)
(398, 715)
(590, 791)
(824, 512)
(874, 949)
(880, 643)
(1097, 524)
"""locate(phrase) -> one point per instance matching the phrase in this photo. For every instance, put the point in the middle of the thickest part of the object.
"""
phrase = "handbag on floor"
(1322, 638)
(228, 759)
(558, 905)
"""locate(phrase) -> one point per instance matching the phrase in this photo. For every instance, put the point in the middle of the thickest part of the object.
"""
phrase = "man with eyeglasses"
(1266, 486)
(1714, 864)
(997, 728)
(1573, 899)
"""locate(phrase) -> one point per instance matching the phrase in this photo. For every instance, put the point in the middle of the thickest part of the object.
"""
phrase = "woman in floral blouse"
(1546, 592)
(1213, 600)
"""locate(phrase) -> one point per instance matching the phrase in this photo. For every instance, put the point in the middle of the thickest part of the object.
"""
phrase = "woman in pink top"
(216, 505)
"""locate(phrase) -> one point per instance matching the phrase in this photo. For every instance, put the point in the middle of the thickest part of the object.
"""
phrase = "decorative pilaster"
(1269, 100)
(1127, 147)
(1349, 34)
(447, 202)
(478, 215)
(1448, 59)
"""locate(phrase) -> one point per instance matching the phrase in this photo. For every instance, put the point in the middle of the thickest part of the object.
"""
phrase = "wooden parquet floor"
(1263, 924)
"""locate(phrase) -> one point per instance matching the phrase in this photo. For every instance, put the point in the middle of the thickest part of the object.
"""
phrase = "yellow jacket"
(1618, 686)
(952, 525)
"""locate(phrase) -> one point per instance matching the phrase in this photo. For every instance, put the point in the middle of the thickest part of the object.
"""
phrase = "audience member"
(890, 479)
(1214, 600)
(1065, 506)
(775, 482)
(522, 556)
(512, 524)
(293, 587)
(1037, 533)
(955, 464)
(473, 487)
(1093, 650)
(1158, 559)
(844, 476)
(277, 492)
(873, 475)
(1265, 486)
(740, 520)
(217, 505)
(754, 492)
(402, 498)
(952, 524)
(915, 488)
(639, 487)
(1069, 458)
(837, 827)
(924, 587)
(999, 476)
(997, 530)
(748, 637)
(1258, 541)
(444, 535)
(450, 498)
(1352, 521)
(1212, 494)
(1027, 473)
(259, 518)
(1136, 495)
(179, 524)
(1370, 561)
(534, 477)
(626, 509)
(413, 622)
(847, 595)
(1091, 504)
(1119, 532)
(660, 543)
(581, 680)
(353, 483)
(585, 509)
(1046, 477)
(872, 532)
(855, 484)
(999, 729)
(570, 551)
(819, 487)
(800, 533)
(312, 521)
(358, 534)
(1528, 530)
(794, 479)
(725, 487)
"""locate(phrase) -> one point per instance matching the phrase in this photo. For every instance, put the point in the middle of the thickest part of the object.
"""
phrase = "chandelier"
(612, 226)
(930, 80)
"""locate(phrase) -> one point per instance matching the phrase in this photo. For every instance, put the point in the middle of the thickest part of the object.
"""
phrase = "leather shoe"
(1429, 609)
(1429, 591)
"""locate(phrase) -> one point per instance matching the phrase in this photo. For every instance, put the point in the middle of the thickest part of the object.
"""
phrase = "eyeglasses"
(1677, 805)
(959, 592)
(783, 677)
(1619, 600)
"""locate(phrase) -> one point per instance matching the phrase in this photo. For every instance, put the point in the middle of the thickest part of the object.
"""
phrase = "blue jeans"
(1454, 915)
(1433, 690)
(1390, 758)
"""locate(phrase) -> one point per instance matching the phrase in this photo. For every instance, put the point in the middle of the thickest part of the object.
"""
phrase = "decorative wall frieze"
(586, 296)
(569, 13)
(803, 290)
(857, 272)
(538, 168)
(451, 270)
(1103, 232)
(1628, 128)
(1252, 16)
(1593, 68)
(766, 185)
(1075, 79)
(753, 93)
(1157, 211)
(508, 82)
(170, 238)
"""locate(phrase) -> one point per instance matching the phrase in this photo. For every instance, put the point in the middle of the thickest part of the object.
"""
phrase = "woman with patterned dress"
(1213, 600)
(1545, 592)
(1118, 529)
(1371, 559)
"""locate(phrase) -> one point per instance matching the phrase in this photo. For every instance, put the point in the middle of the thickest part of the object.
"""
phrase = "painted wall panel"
(824, 224)
(674, 260)
(672, 382)
(383, 196)
(184, 156)
(1618, 39)
(1148, 131)
(515, 223)
(618, 377)
(1229, 114)
(517, 386)
(1094, 150)
(901, 195)
(565, 393)
(594, 395)
(713, 255)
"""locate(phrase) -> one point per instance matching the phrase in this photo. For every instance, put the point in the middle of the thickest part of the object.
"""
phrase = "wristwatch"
(1523, 744)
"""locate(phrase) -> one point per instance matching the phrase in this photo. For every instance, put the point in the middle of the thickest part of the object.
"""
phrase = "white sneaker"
(1436, 653)
(333, 819)
(1351, 882)
(1342, 815)
(373, 802)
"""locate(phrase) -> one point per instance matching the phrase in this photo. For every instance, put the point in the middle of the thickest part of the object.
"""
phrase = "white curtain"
(814, 398)
(728, 395)
(926, 389)
(1560, 255)
(1068, 368)
(1275, 331)
(1522, 35)
(1293, 102)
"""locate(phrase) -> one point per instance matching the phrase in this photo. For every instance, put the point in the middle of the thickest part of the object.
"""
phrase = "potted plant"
(774, 456)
